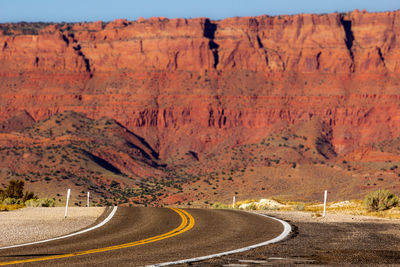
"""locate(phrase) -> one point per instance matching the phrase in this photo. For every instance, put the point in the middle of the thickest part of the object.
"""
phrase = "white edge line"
(109, 217)
(286, 231)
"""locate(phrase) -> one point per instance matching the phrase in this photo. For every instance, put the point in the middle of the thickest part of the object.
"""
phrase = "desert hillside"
(197, 109)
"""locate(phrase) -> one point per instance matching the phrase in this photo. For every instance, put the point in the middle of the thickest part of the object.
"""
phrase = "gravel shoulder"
(34, 224)
(337, 240)
(298, 216)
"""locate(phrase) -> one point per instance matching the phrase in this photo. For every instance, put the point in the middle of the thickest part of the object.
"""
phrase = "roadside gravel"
(308, 217)
(337, 240)
(34, 224)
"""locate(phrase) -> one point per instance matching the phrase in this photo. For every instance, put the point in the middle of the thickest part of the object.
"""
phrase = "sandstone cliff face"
(196, 84)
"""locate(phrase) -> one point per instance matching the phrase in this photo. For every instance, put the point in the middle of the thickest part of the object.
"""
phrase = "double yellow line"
(187, 224)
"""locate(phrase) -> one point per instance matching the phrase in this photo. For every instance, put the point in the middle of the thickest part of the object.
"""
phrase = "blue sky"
(106, 10)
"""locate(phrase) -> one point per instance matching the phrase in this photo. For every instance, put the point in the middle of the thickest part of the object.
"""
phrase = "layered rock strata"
(197, 84)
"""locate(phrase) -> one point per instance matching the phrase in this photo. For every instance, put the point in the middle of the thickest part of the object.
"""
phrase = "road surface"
(144, 236)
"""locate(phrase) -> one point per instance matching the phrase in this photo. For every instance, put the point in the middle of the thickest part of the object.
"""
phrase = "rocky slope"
(200, 86)
(70, 150)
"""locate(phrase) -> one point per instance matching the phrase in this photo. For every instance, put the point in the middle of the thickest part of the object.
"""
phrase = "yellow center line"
(183, 227)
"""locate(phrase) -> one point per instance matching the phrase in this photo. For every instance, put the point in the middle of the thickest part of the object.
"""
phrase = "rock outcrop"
(197, 84)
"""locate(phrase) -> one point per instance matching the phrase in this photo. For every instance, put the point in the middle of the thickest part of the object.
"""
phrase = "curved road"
(141, 236)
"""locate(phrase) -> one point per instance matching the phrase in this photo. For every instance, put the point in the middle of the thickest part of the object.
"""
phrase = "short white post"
(234, 202)
(88, 196)
(66, 205)
(325, 196)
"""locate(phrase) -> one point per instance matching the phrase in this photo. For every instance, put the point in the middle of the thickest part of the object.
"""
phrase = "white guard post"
(88, 196)
(234, 202)
(66, 205)
(325, 196)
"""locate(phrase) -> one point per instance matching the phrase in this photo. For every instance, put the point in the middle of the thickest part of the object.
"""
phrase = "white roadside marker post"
(88, 196)
(66, 205)
(325, 196)
(234, 202)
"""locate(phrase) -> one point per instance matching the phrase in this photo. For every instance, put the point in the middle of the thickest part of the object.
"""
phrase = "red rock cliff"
(192, 84)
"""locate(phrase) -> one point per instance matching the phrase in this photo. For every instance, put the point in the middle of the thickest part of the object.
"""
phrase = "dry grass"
(219, 205)
(248, 201)
(349, 207)
(11, 207)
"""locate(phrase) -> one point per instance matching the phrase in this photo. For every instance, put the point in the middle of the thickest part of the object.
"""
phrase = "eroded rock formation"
(196, 84)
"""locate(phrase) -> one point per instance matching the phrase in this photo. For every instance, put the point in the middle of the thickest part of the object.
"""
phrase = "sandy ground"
(33, 224)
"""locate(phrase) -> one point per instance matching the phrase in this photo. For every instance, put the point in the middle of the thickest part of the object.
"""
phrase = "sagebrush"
(381, 199)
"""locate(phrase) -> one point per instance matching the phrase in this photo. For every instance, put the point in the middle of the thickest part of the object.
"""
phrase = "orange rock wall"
(196, 84)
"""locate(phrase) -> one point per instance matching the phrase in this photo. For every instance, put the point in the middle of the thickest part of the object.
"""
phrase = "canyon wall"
(200, 85)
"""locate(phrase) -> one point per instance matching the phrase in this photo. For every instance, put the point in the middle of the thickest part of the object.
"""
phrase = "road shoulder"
(334, 240)
(34, 224)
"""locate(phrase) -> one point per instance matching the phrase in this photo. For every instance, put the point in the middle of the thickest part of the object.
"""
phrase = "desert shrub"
(28, 195)
(381, 199)
(274, 208)
(299, 207)
(9, 201)
(47, 202)
(42, 202)
(32, 203)
(219, 205)
(15, 189)
(252, 206)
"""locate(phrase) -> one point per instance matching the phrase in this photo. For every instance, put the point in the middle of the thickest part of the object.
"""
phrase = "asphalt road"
(204, 232)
